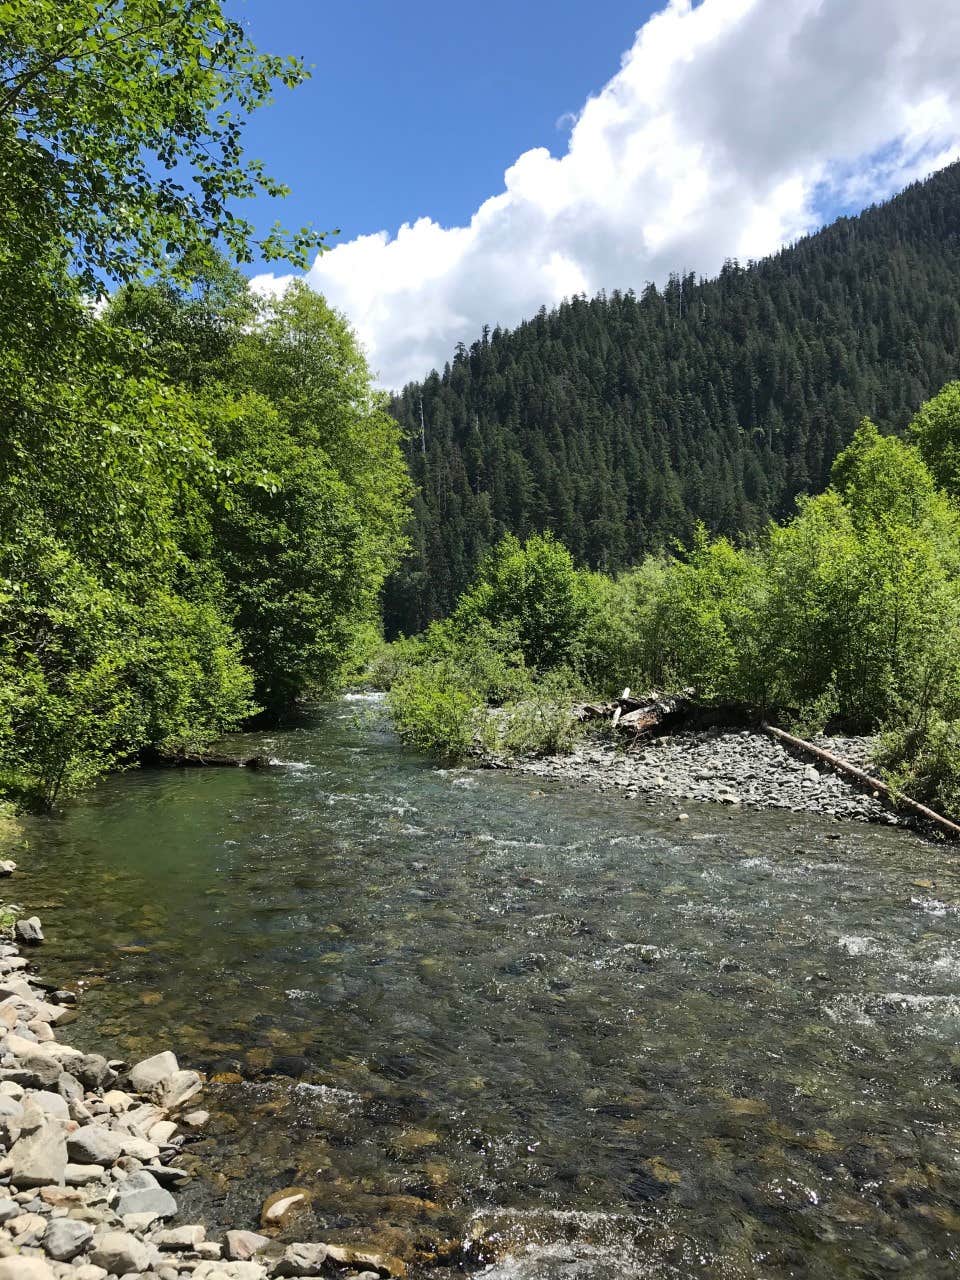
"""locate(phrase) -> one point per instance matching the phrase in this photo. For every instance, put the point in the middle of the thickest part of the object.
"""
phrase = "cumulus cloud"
(728, 129)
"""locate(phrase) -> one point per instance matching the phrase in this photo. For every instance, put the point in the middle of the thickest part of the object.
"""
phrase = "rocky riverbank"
(742, 768)
(88, 1159)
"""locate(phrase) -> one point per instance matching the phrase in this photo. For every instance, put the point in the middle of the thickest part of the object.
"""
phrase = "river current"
(513, 1025)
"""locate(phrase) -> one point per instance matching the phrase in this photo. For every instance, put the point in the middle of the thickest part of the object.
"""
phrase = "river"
(560, 1031)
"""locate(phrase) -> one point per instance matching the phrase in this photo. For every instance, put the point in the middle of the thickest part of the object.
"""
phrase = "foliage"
(848, 611)
(618, 422)
(11, 832)
(121, 136)
(541, 722)
(936, 432)
(534, 592)
(200, 493)
(922, 760)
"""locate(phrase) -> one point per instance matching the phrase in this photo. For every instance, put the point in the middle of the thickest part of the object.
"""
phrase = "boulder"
(182, 1238)
(29, 931)
(52, 1103)
(120, 1253)
(142, 1193)
(65, 1238)
(91, 1144)
(40, 1157)
(93, 1071)
(152, 1075)
(26, 1269)
(302, 1260)
(229, 1271)
(184, 1086)
(241, 1246)
(35, 1070)
(79, 1175)
(162, 1132)
(363, 1260)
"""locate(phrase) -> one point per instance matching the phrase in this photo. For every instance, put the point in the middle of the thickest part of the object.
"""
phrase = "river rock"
(230, 1271)
(26, 1269)
(8, 1209)
(241, 1246)
(142, 1193)
(120, 1253)
(93, 1071)
(118, 1101)
(161, 1132)
(302, 1260)
(29, 931)
(152, 1075)
(35, 1070)
(7, 867)
(182, 1238)
(40, 1157)
(52, 1103)
(282, 1205)
(70, 1088)
(362, 1259)
(92, 1144)
(184, 1086)
(65, 1238)
(80, 1175)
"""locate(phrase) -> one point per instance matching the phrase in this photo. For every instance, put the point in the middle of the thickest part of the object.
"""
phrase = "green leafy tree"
(121, 136)
(936, 432)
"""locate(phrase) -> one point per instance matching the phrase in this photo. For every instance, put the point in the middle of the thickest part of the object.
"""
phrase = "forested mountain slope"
(618, 422)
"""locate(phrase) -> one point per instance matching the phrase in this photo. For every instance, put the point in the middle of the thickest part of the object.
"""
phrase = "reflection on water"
(524, 1027)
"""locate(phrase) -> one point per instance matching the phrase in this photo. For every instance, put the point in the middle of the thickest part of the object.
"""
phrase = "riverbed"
(509, 1023)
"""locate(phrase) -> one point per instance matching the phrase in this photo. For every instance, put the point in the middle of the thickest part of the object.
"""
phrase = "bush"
(923, 762)
(533, 591)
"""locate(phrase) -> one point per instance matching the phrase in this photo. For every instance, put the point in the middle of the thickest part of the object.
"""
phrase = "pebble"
(83, 1157)
(736, 769)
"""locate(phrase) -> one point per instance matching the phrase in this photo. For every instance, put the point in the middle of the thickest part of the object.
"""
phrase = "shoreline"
(88, 1151)
(738, 769)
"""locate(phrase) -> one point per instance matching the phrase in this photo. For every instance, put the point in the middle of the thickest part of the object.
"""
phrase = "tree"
(936, 432)
(121, 137)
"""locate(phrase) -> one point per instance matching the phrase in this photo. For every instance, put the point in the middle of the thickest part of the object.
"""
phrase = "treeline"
(620, 422)
(200, 494)
(847, 613)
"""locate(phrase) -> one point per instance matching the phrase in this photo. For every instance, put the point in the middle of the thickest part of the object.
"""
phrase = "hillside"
(619, 421)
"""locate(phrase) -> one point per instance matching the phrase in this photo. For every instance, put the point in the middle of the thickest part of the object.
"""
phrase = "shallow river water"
(501, 1023)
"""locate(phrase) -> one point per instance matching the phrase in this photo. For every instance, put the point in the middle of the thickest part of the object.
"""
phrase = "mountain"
(619, 421)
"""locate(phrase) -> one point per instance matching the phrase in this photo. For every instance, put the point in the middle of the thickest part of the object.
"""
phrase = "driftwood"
(201, 760)
(865, 780)
(663, 713)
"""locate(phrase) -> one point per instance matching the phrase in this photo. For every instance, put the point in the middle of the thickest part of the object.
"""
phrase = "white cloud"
(727, 127)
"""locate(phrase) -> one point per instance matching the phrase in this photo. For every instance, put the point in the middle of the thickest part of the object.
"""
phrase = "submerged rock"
(282, 1205)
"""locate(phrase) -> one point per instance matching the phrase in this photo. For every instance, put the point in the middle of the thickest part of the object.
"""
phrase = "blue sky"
(417, 108)
(697, 131)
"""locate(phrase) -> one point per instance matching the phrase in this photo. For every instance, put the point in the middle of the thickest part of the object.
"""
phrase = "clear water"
(508, 1024)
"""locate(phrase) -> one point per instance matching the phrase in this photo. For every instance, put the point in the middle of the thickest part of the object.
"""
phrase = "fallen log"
(864, 779)
(200, 760)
